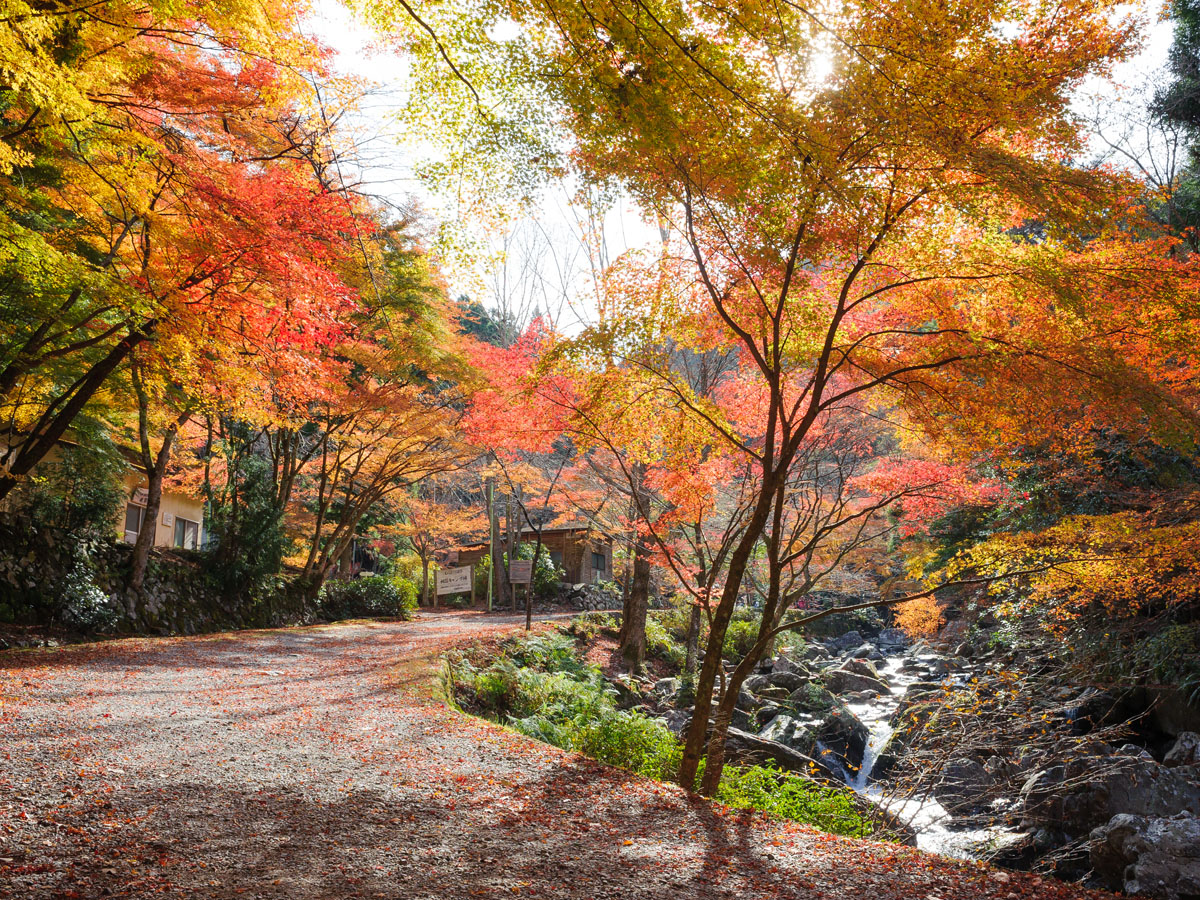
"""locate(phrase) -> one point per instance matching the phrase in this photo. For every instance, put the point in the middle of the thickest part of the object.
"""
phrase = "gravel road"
(313, 763)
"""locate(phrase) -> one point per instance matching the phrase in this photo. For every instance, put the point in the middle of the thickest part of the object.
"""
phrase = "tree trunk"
(425, 581)
(633, 624)
(694, 742)
(149, 529)
(53, 425)
(692, 645)
(715, 757)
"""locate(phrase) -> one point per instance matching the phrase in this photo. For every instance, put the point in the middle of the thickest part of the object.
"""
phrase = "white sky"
(388, 169)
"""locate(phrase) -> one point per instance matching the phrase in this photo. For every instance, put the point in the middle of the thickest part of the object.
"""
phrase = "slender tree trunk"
(424, 581)
(694, 742)
(53, 425)
(692, 644)
(637, 599)
(537, 549)
(149, 529)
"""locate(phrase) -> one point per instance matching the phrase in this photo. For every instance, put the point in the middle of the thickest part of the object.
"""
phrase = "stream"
(934, 827)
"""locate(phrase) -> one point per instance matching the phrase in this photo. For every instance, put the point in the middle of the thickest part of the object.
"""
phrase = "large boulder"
(765, 714)
(1158, 857)
(1090, 709)
(842, 681)
(756, 683)
(790, 732)
(847, 641)
(783, 664)
(892, 639)
(861, 666)
(750, 749)
(962, 784)
(813, 698)
(864, 651)
(842, 737)
(1088, 791)
(789, 681)
(1185, 751)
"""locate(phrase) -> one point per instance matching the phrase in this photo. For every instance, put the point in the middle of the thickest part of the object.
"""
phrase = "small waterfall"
(928, 818)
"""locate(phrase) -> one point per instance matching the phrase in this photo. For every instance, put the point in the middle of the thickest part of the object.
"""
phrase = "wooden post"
(491, 510)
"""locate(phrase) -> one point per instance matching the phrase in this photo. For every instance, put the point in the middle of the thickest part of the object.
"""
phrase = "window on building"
(598, 562)
(556, 557)
(187, 534)
(133, 521)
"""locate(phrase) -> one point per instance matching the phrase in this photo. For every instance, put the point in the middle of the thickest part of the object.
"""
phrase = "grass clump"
(791, 797)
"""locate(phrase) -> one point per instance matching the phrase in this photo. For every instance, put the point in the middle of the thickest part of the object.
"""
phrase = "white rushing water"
(934, 826)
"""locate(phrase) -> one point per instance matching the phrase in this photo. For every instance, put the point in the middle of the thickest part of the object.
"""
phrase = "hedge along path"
(316, 763)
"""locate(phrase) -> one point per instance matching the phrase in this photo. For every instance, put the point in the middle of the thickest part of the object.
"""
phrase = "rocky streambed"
(977, 761)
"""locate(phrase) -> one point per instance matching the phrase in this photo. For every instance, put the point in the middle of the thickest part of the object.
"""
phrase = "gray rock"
(740, 719)
(892, 637)
(812, 698)
(962, 784)
(765, 714)
(841, 681)
(783, 664)
(783, 729)
(746, 700)
(1135, 751)
(863, 651)
(666, 686)
(789, 681)
(842, 737)
(750, 749)
(1091, 708)
(1158, 856)
(846, 641)
(1088, 791)
(862, 667)
(1185, 751)
(677, 720)
(756, 683)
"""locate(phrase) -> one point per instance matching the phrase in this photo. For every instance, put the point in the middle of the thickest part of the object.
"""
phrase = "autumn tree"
(843, 182)
(162, 176)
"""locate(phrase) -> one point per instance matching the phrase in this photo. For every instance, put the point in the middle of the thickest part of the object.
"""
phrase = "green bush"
(661, 643)
(588, 625)
(792, 797)
(374, 595)
(497, 687)
(739, 637)
(56, 541)
(632, 741)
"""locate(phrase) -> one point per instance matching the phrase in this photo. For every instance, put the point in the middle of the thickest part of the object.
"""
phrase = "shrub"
(661, 643)
(632, 741)
(739, 638)
(588, 625)
(793, 797)
(497, 687)
(374, 595)
(56, 537)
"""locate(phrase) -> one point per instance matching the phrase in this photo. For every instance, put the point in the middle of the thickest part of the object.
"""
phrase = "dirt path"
(311, 763)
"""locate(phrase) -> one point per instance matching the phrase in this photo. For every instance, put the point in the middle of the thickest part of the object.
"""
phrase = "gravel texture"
(313, 763)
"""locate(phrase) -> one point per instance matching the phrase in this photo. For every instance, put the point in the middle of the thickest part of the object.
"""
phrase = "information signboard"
(454, 581)
(520, 571)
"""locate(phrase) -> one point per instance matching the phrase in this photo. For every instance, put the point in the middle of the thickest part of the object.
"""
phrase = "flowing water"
(934, 827)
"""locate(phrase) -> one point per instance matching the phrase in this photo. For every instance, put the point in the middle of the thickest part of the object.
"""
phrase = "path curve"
(311, 763)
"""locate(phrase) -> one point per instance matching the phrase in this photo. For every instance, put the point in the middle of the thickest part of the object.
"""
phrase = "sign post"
(454, 581)
(520, 571)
